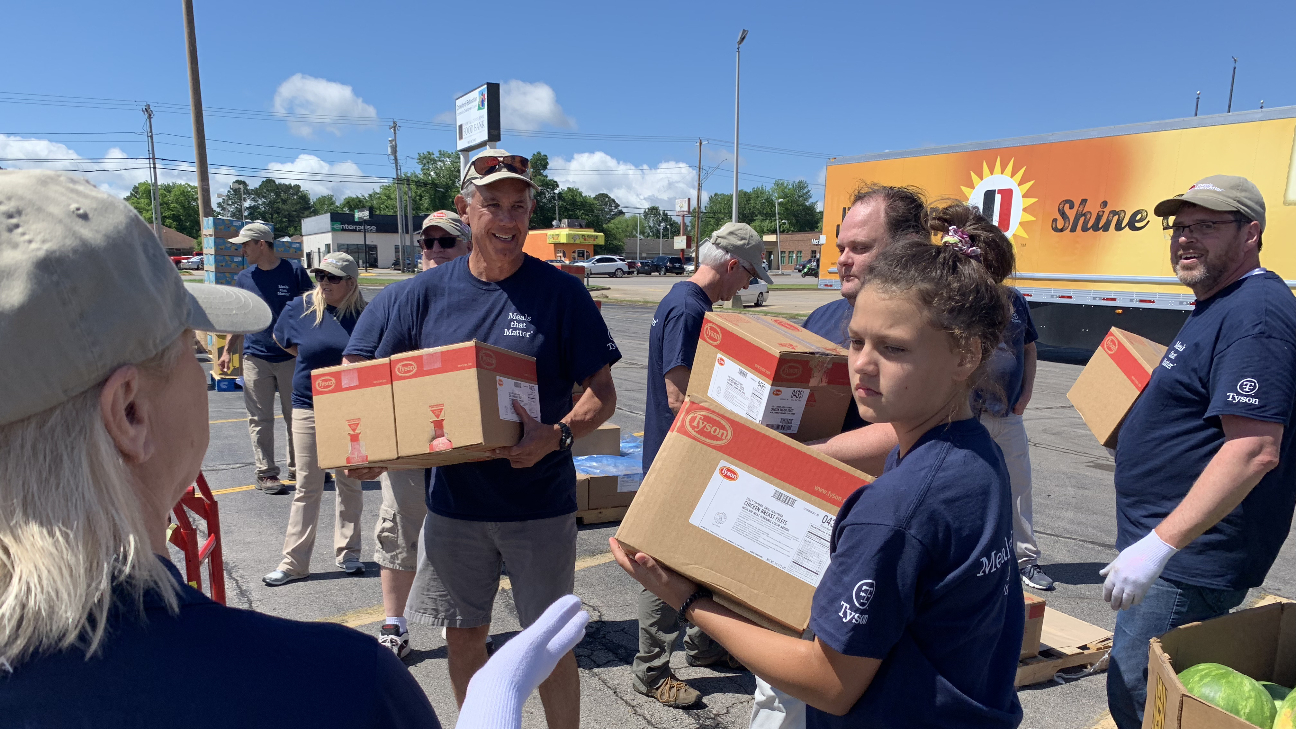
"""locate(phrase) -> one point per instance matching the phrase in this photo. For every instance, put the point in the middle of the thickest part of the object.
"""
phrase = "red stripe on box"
(1034, 610)
(359, 377)
(463, 357)
(732, 344)
(1126, 362)
(755, 446)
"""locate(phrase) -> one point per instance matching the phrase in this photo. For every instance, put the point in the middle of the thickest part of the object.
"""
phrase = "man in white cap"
(404, 499)
(727, 263)
(1204, 463)
(103, 425)
(520, 507)
(267, 368)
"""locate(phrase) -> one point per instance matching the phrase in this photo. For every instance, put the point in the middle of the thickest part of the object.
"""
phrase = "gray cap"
(254, 231)
(743, 242)
(86, 287)
(448, 221)
(1225, 193)
(472, 176)
(338, 264)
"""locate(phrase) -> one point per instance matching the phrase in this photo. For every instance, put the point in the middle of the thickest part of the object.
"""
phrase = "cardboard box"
(743, 509)
(215, 345)
(220, 246)
(1115, 376)
(454, 402)
(604, 441)
(224, 264)
(227, 227)
(1260, 642)
(224, 278)
(288, 249)
(605, 492)
(773, 372)
(1035, 608)
(355, 420)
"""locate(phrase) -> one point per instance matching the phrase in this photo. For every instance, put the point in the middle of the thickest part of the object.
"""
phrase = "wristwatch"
(565, 439)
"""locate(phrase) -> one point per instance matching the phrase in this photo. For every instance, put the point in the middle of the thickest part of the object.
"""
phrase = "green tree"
(546, 196)
(178, 202)
(325, 204)
(281, 204)
(235, 201)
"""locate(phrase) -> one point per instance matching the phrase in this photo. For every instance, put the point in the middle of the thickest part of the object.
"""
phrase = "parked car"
(671, 264)
(757, 290)
(194, 263)
(647, 267)
(690, 268)
(614, 266)
(177, 260)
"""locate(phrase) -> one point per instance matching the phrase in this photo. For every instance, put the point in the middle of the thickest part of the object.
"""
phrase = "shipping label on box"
(1117, 373)
(772, 372)
(455, 402)
(742, 509)
(354, 415)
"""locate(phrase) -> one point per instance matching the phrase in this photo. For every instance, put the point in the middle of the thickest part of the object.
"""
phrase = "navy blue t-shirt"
(369, 330)
(831, 321)
(923, 577)
(276, 287)
(539, 311)
(317, 345)
(672, 342)
(1236, 355)
(207, 666)
(1008, 362)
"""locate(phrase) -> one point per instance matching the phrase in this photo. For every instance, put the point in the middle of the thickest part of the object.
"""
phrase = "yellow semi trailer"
(1078, 208)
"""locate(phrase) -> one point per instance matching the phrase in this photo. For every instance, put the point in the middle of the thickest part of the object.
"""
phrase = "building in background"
(339, 232)
(783, 253)
(571, 241)
(177, 243)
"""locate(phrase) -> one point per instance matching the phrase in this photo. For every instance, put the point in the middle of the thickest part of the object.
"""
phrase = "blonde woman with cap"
(315, 329)
(103, 425)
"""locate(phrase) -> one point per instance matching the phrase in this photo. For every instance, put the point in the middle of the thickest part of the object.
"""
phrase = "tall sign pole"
(737, 79)
(697, 217)
(196, 112)
(393, 150)
(153, 176)
(477, 121)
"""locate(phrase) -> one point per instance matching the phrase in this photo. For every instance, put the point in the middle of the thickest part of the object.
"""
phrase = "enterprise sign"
(477, 117)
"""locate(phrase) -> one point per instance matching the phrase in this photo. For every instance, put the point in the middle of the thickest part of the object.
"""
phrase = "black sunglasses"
(446, 243)
(330, 278)
(488, 164)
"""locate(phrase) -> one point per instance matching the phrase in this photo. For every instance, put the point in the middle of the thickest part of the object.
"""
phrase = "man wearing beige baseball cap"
(1204, 464)
(103, 425)
(267, 367)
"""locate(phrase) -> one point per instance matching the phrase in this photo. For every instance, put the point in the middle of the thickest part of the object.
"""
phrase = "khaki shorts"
(400, 518)
(460, 562)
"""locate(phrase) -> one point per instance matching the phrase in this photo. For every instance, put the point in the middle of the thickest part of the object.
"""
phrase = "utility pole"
(697, 217)
(737, 78)
(778, 236)
(393, 150)
(1233, 81)
(153, 176)
(1197, 106)
(196, 113)
(409, 220)
(638, 233)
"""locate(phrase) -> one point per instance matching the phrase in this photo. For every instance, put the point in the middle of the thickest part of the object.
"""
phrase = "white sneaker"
(395, 640)
(279, 577)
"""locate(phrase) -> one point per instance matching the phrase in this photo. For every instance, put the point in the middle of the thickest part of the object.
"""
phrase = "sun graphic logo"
(1000, 197)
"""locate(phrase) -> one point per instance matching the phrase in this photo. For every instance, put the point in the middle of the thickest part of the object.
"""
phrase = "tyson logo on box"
(406, 368)
(787, 325)
(711, 333)
(325, 383)
(709, 428)
(720, 361)
(486, 359)
(1110, 345)
(790, 370)
(728, 473)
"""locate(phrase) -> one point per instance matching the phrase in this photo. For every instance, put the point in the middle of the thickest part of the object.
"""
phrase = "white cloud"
(307, 166)
(523, 105)
(302, 94)
(632, 186)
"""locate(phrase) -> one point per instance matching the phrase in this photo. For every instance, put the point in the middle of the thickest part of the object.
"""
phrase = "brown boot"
(674, 693)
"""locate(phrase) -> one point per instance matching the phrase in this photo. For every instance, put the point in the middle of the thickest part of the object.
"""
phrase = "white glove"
(497, 692)
(1134, 570)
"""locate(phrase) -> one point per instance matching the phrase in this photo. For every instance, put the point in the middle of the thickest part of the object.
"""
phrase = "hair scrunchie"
(959, 239)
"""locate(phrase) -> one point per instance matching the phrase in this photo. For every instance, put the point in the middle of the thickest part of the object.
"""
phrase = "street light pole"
(778, 239)
(737, 79)
(1231, 82)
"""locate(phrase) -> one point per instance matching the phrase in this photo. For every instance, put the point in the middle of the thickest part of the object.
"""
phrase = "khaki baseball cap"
(472, 176)
(448, 221)
(338, 264)
(85, 287)
(743, 242)
(1222, 193)
(254, 231)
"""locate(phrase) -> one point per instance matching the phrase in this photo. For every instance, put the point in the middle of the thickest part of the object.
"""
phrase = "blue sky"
(615, 93)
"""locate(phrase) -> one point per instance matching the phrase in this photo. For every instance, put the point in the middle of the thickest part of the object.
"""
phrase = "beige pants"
(400, 519)
(300, 540)
(1010, 433)
(260, 381)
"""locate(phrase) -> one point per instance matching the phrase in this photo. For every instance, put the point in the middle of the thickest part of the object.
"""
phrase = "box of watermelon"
(1233, 672)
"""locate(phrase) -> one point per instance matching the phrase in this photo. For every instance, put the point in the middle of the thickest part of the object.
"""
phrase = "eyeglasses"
(1204, 229)
(446, 243)
(330, 278)
(488, 164)
(749, 269)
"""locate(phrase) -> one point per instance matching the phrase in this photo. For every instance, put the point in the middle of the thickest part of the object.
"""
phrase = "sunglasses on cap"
(489, 164)
(446, 242)
(330, 278)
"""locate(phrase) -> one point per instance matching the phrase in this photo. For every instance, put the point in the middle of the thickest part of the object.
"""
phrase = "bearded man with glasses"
(1204, 492)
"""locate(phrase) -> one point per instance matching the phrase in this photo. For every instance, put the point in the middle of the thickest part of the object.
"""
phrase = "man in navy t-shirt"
(404, 494)
(518, 509)
(267, 368)
(726, 264)
(1204, 470)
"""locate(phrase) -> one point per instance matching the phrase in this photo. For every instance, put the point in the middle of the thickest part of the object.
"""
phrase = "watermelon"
(1228, 690)
(1286, 713)
(1278, 693)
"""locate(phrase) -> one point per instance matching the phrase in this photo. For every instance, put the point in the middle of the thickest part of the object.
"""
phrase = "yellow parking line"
(1105, 722)
(368, 616)
(218, 492)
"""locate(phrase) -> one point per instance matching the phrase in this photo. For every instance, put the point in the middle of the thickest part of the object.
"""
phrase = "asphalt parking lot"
(1074, 518)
